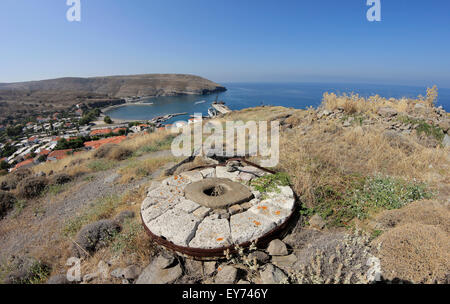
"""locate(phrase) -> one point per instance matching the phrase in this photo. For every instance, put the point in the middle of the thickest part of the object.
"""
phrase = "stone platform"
(212, 209)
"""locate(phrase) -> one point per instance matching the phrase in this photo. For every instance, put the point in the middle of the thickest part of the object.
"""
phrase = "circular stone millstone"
(217, 193)
(201, 213)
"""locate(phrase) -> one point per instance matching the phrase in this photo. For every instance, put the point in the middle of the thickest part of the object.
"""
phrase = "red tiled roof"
(59, 154)
(117, 130)
(100, 132)
(32, 138)
(144, 125)
(44, 152)
(24, 163)
(98, 143)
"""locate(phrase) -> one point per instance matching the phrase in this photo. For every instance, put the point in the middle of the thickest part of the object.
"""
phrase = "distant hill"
(123, 86)
(22, 99)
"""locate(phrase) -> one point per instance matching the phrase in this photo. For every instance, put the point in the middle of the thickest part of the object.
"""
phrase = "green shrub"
(108, 120)
(270, 183)
(363, 196)
(32, 187)
(163, 144)
(424, 128)
(101, 209)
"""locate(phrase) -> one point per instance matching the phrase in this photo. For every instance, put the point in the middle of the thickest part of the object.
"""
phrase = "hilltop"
(371, 176)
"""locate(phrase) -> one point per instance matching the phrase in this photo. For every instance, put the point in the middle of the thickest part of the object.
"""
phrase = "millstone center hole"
(217, 190)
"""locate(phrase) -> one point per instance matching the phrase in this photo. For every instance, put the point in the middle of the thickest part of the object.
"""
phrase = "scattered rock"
(131, 272)
(243, 282)
(273, 275)
(444, 125)
(164, 260)
(284, 261)
(89, 277)
(446, 141)
(387, 112)
(277, 248)
(260, 256)
(235, 209)
(419, 107)
(94, 236)
(226, 275)
(154, 274)
(232, 166)
(316, 221)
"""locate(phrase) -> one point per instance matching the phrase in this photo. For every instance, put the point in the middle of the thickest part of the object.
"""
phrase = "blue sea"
(244, 95)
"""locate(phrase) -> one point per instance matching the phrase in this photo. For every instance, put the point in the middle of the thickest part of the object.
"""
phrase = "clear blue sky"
(229, 40)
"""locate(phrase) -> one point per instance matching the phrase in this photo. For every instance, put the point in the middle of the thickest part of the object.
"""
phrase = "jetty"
(221, 108)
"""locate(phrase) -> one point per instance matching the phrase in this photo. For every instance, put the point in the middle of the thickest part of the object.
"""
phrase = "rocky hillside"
(123, 86)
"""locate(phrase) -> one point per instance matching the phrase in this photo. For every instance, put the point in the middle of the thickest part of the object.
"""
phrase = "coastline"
(110, 108)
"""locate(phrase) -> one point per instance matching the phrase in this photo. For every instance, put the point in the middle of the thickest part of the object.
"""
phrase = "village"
(52, 138)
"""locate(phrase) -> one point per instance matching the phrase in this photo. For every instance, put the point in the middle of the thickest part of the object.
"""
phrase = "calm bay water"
(244, 95)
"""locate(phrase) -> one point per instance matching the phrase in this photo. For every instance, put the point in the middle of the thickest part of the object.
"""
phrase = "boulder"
(444, 125)
(446, 141)
(154, 274)
(277, 248)
(273, 275)
(226, 275)
(260, 256)
(164, 260)
(94, 236)
(284, 261)
(316, 221)
(387, 112)
(131, 272)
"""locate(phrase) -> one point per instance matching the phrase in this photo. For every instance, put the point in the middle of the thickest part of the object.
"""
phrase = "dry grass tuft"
(325, 155)
(421, 212)
(354, 103)
(415, 252)
(141, 168)
(142, 141)
(113, 152)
